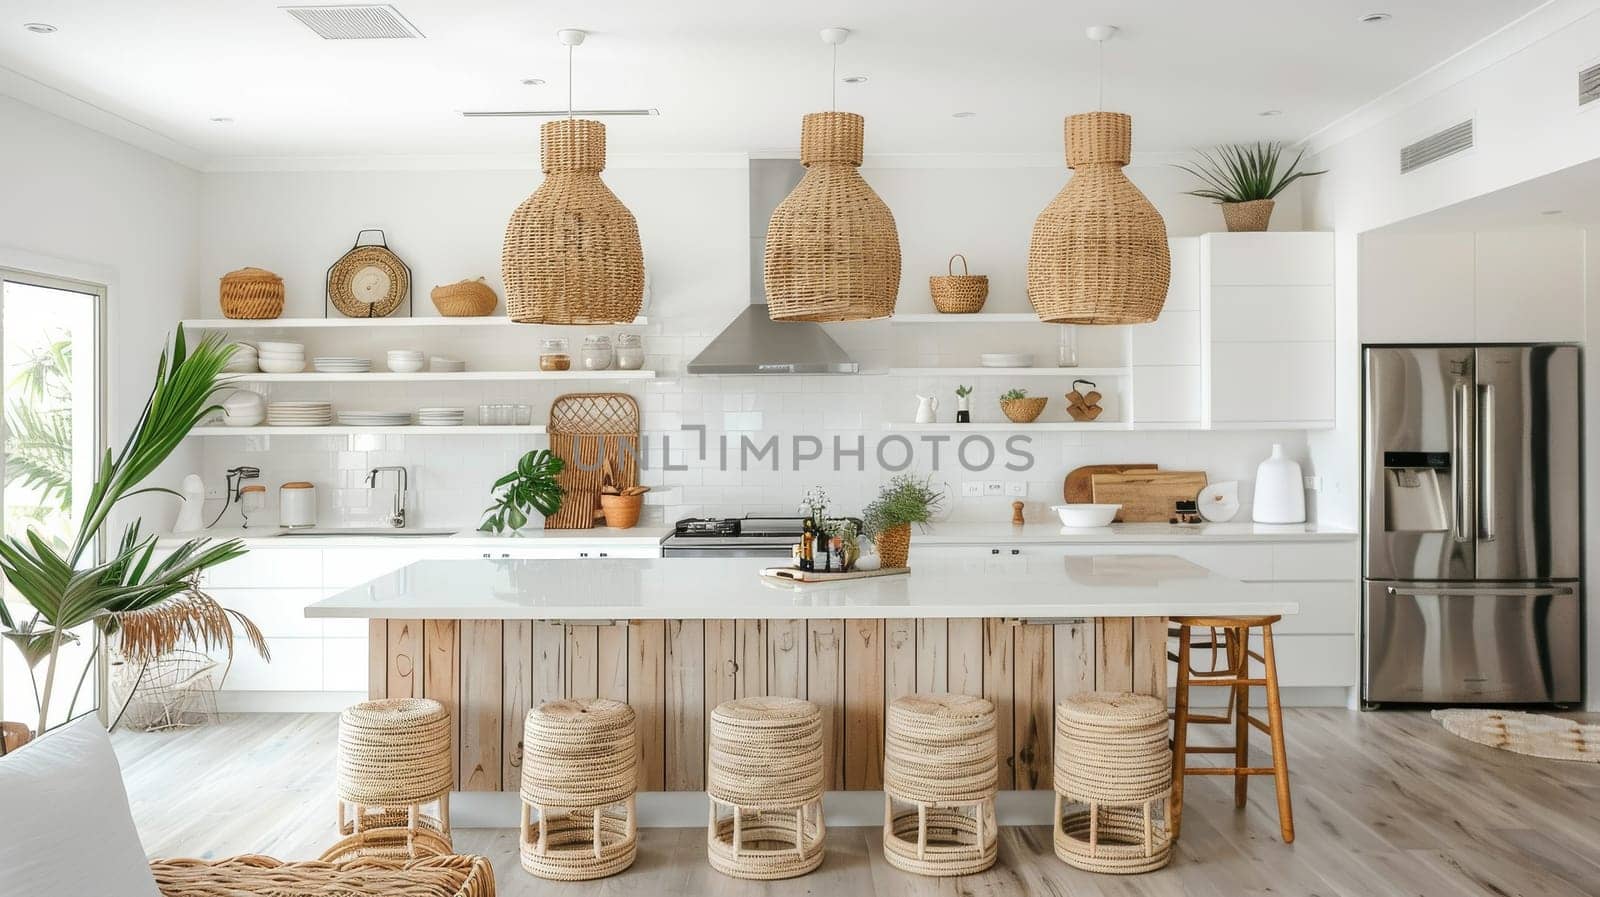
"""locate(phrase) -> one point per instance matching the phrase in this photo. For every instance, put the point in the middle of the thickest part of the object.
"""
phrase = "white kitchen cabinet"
(344, 663)
(296, 666)
(278, 613)
(1165, 379)
(1267, 321)
(1529, 285)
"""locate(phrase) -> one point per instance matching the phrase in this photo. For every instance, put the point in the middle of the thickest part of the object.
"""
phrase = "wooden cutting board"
(1078, 489)
(795, 574)
(1147, 496)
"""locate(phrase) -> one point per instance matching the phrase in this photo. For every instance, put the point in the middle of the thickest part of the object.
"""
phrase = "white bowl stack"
(375, 418)
(405, 361)
(341, 364)
(281, 357)
(1006, 360)
(242, 361)
(299, 414)
(441, 417)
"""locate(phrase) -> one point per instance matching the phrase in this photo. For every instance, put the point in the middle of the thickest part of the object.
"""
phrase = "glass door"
(51, 406)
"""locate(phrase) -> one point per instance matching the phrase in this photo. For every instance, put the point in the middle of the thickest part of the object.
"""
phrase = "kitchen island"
(492, 638)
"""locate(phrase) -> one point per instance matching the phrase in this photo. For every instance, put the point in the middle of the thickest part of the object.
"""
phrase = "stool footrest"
(1229, 771)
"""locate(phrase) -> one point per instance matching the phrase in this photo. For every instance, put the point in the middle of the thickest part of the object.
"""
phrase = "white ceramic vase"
(1280, 490)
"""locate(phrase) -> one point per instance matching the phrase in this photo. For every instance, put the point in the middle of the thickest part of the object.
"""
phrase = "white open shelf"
(341, 430)
(1067, 373)
(993, 317)
(1005, 426)
(440, 377)
(496, 320)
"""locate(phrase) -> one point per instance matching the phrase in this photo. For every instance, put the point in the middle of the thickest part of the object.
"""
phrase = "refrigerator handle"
(1462, 434)
(1486, 462)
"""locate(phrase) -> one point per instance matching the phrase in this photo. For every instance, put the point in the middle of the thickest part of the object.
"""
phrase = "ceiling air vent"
(362, 22)
(1434, 147)
(1589, 85)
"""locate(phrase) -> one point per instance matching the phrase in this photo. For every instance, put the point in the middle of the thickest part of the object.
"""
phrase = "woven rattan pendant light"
(571, 253)
(1099, 250)
(833, 253)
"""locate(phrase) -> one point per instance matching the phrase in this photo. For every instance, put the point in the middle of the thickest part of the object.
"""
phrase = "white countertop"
(730, 588)
(1039, 533)
(331, 537)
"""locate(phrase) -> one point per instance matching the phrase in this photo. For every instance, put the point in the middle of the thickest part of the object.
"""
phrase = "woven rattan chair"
(442, 876)
(942, 758)
(1112, 759)
(579, 775)
(394, 762)
(764, 765)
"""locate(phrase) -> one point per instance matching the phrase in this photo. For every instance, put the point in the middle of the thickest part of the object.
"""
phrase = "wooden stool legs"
(1235, 634)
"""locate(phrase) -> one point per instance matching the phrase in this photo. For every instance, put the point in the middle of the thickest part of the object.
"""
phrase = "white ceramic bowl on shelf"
(1081, 516)
(268, 347)
(281, 366)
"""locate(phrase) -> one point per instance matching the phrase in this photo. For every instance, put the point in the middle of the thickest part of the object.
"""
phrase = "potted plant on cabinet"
(1245, 180)
(143, 606)
(532, 486)
(904, 500)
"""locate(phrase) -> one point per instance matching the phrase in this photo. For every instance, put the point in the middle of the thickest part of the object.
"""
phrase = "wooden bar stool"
(1112, 757)
(579, 775)
(394, 760)
(941, 756)
(1234, 674)
(764, 763)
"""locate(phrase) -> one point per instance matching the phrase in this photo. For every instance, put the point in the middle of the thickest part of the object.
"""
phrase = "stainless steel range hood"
(754, 343)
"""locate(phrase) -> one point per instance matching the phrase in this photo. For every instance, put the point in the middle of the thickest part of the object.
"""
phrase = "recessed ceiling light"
(1375, 17)
(41, 27)
(1270, 113)
(222, 119)
(964, 115)
(532, 82)
(854, 79)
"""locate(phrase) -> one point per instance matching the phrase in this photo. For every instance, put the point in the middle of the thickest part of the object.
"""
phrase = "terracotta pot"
(622, 511)
(1247, 216)
(13, 736)
(893, 544)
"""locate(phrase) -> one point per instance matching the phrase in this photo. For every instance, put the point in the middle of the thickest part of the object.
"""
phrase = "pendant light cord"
(569, 82)
(833, 80)
(1100, 76)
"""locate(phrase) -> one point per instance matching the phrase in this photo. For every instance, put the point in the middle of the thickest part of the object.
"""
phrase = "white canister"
(297, 505)
(1280, 491)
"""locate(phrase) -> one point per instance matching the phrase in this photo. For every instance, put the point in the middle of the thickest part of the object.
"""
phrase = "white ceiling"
(734, 75)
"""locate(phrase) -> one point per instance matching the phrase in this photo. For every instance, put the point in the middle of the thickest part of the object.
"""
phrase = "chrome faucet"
(397, 516)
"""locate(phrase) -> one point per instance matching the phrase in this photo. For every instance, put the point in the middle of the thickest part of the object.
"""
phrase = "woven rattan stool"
(941, 757)
(579, 774)
(1112, 757)
(1231, 671)
(764, 764)
(394, 760)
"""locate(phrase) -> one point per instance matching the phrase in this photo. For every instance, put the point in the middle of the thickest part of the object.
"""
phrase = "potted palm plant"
(143, 606)
(1246, 180)
(904, 500)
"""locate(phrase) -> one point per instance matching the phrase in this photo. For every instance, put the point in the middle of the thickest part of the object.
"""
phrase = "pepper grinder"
(1016, 513)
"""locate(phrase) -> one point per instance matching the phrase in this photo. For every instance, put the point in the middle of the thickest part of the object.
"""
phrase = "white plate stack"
(441, 417)
(341, 364)
(281, 358)
(441, 365)
(375, 418)
(405, 361)
(299, 414)
(1006, 360)
(243, 360)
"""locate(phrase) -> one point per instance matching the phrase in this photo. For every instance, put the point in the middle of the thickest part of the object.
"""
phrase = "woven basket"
(1099, 250)
(622, 511)
(894, 545)
(1247, 216)
(251, 294)
(958, 294)
(464, 299)
(434, 876)
(1023, 411)
(571, 253)
(833, 253)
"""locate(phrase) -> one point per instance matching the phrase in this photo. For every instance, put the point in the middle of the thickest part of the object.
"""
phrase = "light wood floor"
(1386, 805)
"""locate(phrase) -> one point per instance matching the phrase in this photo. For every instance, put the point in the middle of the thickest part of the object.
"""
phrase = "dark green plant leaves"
(533, 484)
(1245, 172)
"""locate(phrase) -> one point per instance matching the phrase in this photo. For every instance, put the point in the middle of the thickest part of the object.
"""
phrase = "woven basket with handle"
(251, 294)
(959, 294)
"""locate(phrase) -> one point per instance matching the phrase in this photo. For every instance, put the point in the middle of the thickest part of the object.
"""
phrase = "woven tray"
(596, 434)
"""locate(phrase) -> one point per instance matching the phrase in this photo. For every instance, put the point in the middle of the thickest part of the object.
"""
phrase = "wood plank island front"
(674, 637)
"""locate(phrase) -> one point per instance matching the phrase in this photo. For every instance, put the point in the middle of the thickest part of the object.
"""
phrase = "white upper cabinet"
(1166, 352)
(1267, 329)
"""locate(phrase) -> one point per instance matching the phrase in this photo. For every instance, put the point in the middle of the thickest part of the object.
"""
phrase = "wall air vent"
(360, 22)
(1589, 85)
(1434, 147)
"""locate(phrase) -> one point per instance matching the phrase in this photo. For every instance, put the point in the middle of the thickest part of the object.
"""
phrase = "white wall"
(448, 224)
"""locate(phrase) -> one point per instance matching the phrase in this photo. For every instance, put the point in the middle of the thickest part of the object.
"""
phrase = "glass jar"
(597, 353)
(1067, 354)
(554, 355)
(630, 352)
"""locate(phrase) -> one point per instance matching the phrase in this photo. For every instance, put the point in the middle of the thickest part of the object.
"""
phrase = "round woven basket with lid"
(251, 294)
(959, 294)
(394, 752)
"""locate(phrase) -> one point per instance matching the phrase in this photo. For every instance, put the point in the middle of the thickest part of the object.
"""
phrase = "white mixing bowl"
(1085, 515)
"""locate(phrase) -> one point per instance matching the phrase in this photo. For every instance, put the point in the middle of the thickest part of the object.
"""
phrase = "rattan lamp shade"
(571, 254)
(833, 253)
(1099, 250)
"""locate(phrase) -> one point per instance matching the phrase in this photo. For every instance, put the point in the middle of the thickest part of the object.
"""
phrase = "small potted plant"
(1021, 409)
(532, 486)
(904, 500)
(963, 404)
(1245, 180)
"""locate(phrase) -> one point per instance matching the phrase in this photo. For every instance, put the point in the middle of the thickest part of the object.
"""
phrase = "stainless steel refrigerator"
(1472, 532)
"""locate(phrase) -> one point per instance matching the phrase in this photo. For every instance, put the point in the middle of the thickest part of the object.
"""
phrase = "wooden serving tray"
(795, 574)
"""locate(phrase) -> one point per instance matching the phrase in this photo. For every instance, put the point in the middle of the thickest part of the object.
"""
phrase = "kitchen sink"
(367, 531)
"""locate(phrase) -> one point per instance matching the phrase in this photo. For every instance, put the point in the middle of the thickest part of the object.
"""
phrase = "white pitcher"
(927, 406)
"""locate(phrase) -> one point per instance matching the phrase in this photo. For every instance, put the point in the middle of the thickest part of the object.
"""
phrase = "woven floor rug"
(1535, 734)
